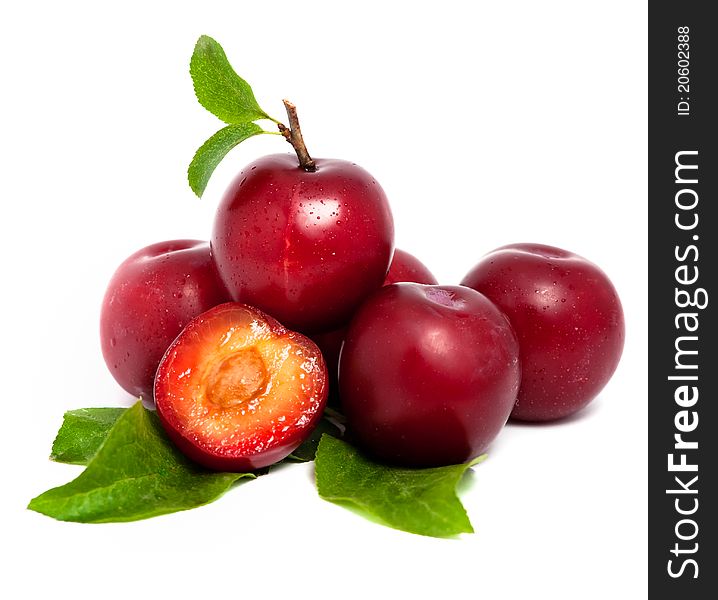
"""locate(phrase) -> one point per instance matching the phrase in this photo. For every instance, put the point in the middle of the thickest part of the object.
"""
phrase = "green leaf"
(211, 153)
(308, 449)
(84, 430)
(137, 473)
(82, 433)
(218, 87)
(419, 501)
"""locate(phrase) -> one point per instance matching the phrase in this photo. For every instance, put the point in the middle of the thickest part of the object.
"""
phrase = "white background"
(486, 123)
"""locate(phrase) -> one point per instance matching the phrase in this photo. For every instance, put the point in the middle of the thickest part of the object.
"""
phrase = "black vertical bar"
(683, 260)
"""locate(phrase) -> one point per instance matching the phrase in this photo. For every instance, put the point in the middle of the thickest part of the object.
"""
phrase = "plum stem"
(293, 134)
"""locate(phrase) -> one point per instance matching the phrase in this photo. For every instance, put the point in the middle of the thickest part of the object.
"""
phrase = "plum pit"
(237, 379)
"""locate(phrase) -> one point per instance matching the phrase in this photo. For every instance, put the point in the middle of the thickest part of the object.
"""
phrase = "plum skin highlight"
(569, 321)
(428, 374)
(306, 247)
(152, 295)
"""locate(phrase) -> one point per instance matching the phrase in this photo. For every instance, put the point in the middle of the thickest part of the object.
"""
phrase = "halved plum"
(236, 391)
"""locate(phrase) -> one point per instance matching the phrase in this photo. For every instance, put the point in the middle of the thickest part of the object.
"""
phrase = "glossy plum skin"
(236, 391)
(404, 268)
(153, 294)
(428, 374)
(569, 321)
(407, 268)
(305, 247)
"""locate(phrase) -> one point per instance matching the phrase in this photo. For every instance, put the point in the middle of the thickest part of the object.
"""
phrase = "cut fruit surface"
(236, 391)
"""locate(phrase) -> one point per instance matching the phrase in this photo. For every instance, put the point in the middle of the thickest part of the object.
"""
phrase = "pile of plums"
(300, 292)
